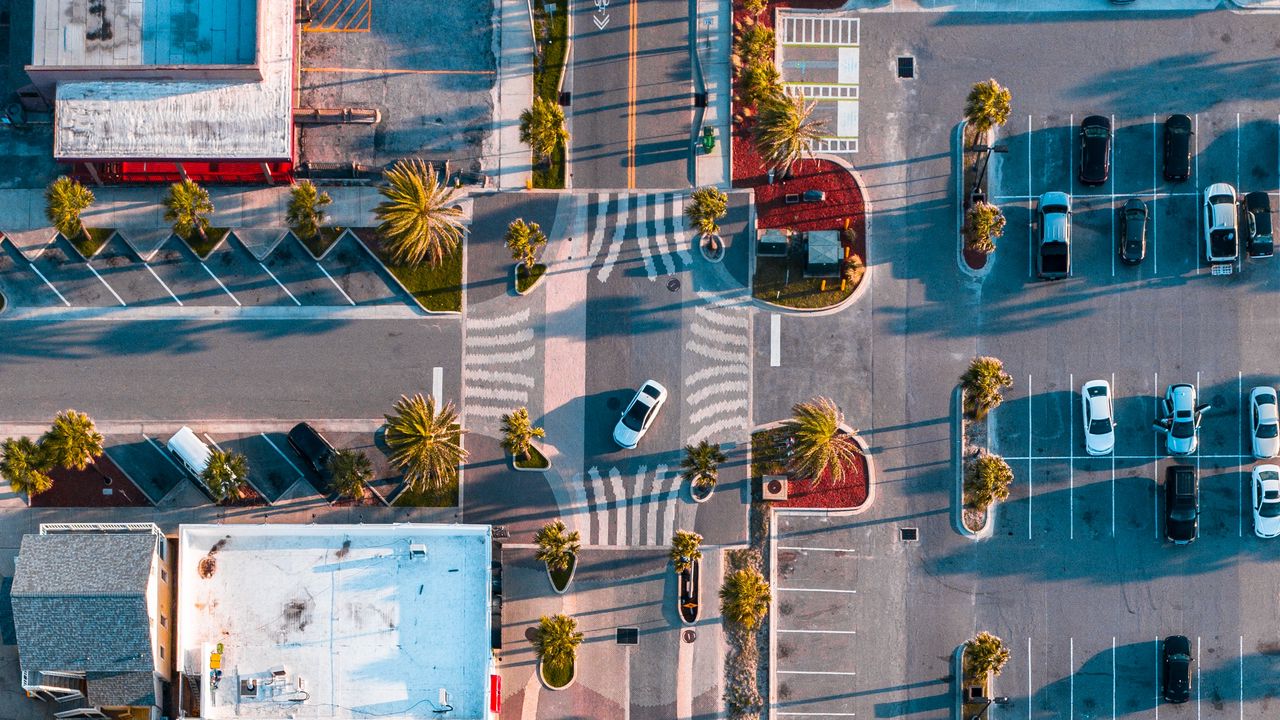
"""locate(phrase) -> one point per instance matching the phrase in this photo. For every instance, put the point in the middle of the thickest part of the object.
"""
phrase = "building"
(92, 607)
(159, 90)
(346, 622)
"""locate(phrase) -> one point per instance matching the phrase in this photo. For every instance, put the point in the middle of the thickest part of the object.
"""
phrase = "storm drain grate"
(906, 67)
(909, 534)
(628, 636)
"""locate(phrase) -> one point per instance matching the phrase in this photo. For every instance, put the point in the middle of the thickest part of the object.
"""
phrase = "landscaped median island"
(984, 477)
(986, 108)
(744, 604)
(817, 453)
(543, 126)
(555, 643)
(981, 660)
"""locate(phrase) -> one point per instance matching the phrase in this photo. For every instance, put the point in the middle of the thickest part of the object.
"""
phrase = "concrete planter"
(689, 590)
(712, 247)
(700, 495)
(573, 570)
(960, 459)
(517, 468)
(573, 677)
(515, 280)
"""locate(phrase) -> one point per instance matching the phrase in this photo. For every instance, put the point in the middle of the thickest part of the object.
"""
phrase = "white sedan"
(639, 415)
(1266, 501)
(1265, 422)
(1099, 423)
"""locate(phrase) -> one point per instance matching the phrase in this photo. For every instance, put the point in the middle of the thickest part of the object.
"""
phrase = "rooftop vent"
(417, 551)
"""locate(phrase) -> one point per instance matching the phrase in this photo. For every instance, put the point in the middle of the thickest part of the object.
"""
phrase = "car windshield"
(1101, 426)
(1175, 130)
(1055, 209)
(1270, 509)
(1184, 513)
(1268, 431)
(1095, 132)
(634, 419)
(1183, 429)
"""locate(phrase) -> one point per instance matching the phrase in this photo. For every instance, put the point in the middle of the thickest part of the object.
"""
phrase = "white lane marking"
(484, 411)
(1155, 216)
(1241, 677)
(1030, 434)
(1155, 461)
(499, 322)
(1195, 135)
(1157, 668)
(1071, 468)
(282, 287)
(107, 285)
(1112, 213)
(1240, 430)
(669, 500)
(224, 287)
(817, 590)
(597, 233)
(775, 340)
(1196, 430)
(281, 453)
(1113, 677)
(1095, 196)
(1071, 154)
(1031, 243)
(635, 499)
(1113, 464)
(714, 353)
(1028, 677)
(1199, 655)
(335, 284)
(814, 714)
(716, 408)
(716, 335)
(805, 548)
(162, 283)
(437, 384)
(1071, 671)
(821, 632)
(51, 287)
(1225, 456)
(815, 672)
(520, 336)
(1237, 151)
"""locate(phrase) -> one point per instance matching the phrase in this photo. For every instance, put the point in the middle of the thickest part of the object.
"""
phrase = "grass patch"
(202, 248)
(435, 287)
(90, 243)
(560, 578)
(527, 277)
(535, 461)
(553, 34)
(782, 281)
(550, 175)
(323, 240)
(444, 496)
(971, 679)
(769, 452)
(556, 675)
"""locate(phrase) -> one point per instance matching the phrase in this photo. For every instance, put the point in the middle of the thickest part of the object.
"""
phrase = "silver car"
(1181, 421)
(1264, 421)
(1099, 423)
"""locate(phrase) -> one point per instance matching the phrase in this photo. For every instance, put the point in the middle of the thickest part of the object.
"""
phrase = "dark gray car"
(1133, 232)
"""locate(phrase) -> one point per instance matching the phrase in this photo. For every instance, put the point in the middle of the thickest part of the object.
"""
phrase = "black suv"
(1176, 673)
(1095, 150)
(1257, 216)
(1181, 504)
(313, 448)
(1177, 147)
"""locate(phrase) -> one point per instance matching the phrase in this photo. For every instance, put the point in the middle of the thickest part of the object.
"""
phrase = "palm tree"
(419, 221)
(786, 131)
(822, 449)
(700, 463)
(518, 433)
(226, 475)
(24, 465)
(351, 471)
(987, 480)
(557, 640)
(685, 549)
(988, 105)
(542, 128)
(986, 653)
(306, 209)
(64, 200)
(759, 84)
(708, 206)
(744, 598)
(187, 206)
(556, 547)
(72, 441)
(425, 441)
(982, 225)
(524, 240)
(984, 383)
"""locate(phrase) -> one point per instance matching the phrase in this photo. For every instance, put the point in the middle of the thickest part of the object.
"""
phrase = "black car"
(1177, 148)
(1095, 150)
(1257, 217)
(1176, 668)
(1181, 504)
(313, 447)
(1133, 231)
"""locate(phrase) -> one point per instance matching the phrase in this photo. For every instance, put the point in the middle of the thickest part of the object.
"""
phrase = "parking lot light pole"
(986, 150)
(988, 702)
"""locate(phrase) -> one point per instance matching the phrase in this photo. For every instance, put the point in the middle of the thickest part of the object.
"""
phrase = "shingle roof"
(84, 564)
(116, 689)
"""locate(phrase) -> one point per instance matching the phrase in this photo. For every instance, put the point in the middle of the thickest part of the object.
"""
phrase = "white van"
(188, 448)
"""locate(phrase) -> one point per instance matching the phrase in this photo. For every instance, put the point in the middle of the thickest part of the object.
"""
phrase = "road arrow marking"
(599, 22)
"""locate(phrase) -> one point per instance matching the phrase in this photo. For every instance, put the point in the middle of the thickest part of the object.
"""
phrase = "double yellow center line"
(632, 42)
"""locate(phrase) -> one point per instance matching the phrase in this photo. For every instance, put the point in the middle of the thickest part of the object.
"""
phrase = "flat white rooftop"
(336, 621)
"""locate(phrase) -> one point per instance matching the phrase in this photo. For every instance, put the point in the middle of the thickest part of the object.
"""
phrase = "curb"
(957, 492)
(405, 290)
(957, 681)
(827, 512)
(957, 161)
(106, 242)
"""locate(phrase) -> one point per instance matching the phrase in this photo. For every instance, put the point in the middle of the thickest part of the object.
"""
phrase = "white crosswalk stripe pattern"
(640, 507)
(655, 221)
(494, 376)
(719, 342)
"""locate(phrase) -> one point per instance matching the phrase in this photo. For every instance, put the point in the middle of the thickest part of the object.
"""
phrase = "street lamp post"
(975, 195)
(988, 702)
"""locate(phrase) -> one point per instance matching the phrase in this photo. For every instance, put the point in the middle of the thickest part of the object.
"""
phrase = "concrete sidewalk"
(513, 92)
(712, 44)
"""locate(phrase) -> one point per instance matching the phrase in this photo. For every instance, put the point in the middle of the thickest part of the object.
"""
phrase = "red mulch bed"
(805, 493)
(83, 488)
(974, 259)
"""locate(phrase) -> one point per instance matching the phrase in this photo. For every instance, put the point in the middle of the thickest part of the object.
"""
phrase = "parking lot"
(117, 276)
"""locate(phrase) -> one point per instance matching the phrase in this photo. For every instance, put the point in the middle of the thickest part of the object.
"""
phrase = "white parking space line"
(1155, 216)
(108, 285)
(1240, 429)
(1237, 152)
(1197, 429)
(1095, 196)
(224, 287)
(162, 283)
(51, 287)
(437, 384)
(1155, 464)
(1113, 677)
(1030, 479)
(1071, 469)
(821, 632)
(1195, 135)
(1071, 154)
(1157, 456)
(1114, 151)
(1031, 243)
(1157, 667)
(1071, 673)
(815, 672)
(814, 714)
(281, 453)
(817, 590)
(775, 340)
(282, 287)
(1029, 695)
(335, 284)
(803, 548)
(1113, 456)
(163, 453)
(1241, 677)
(1199, 655)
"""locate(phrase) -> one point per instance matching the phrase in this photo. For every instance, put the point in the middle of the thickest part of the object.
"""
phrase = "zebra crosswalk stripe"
(615, 245)
(661, 236)
(707, 373)
(497, 376)
(499, 322)
(635, 499)
(597, 232)
(615, 482)
(520, 336)
(642, 236)
(654, 496)
(678, 229)
(717, 336)
(601, 503)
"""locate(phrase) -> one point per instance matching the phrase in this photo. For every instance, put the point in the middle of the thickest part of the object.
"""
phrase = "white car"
(1265, 422)
(1181, 421)
(1266, 501)
(639, 415)
(1099, 422)
(1221, 234)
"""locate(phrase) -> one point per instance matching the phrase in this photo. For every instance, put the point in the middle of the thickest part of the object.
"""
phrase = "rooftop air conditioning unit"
(773, 487)
(417, 551)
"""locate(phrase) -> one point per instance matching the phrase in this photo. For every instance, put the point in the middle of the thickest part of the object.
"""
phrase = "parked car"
(1133, 232)
(1099, 426)
(1177, 148)
(1181, 421)
(190, 450)
(312, 447)
(1054, 214)
(1221, 236)
(1181, 504)
(1095, 150)
(639, 415)
(1257, 214)
(1264, 418)
(1175, 671)
(1266, 501)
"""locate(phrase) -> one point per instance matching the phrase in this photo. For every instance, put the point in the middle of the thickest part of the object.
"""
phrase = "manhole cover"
(906, 67)
(690, 635)
(673, 284)
(909, 534)
(613, 403)
(628, 636)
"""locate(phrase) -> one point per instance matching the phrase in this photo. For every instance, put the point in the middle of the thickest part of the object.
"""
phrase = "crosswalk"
(647, 229)
(719, 345)
(495, 377)
(640, 507)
